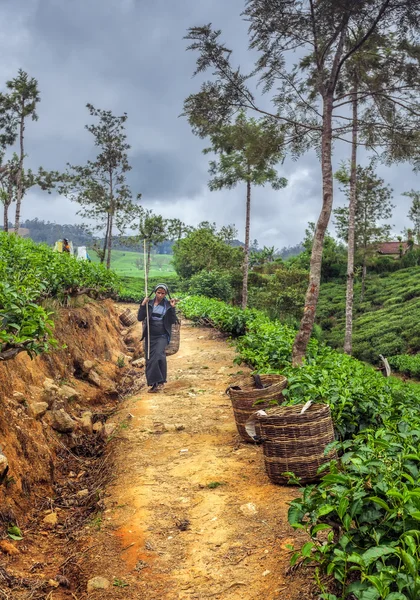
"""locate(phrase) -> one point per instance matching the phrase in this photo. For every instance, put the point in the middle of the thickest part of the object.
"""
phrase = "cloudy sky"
(129, 56)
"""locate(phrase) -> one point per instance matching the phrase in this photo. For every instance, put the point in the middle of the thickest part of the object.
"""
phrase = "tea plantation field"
(125, 263)
(387, 321)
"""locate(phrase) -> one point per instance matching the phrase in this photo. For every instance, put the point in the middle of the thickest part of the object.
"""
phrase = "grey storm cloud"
(130, 56)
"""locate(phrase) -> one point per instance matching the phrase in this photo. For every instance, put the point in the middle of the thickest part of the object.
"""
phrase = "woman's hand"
(145, 301)
(172, 302)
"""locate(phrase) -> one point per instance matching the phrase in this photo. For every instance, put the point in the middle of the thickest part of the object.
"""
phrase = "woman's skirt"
(156, 369)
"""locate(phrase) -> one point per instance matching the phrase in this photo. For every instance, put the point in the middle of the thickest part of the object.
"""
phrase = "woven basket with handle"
(128, 318)
(244, 394)
(295, 442)
(173, 346)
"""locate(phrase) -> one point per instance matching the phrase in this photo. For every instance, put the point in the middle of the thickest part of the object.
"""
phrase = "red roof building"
(393, 248)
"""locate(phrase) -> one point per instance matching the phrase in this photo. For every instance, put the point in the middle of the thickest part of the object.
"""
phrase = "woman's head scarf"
(163, 286)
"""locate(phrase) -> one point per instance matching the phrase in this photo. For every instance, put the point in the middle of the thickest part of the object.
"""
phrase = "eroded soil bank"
(191, 513)
(56, 447)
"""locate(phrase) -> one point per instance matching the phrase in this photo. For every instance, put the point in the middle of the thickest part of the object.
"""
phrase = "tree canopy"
(203, 249)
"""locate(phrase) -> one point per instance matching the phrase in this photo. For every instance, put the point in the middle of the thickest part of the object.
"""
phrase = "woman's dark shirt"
(160, 320)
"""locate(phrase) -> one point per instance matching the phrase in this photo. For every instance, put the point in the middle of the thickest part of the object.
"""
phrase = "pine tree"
(100, 186)
(248, 151)
(9, 184)
(20, 103)
(228, 233)
(176, 229)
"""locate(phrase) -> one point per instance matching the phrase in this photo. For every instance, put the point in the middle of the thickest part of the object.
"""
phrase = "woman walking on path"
(161, 318)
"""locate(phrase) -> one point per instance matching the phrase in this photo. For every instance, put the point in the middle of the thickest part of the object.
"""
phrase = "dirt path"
(191, 513)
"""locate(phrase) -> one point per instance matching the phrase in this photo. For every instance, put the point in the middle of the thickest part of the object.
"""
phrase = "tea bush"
(30, 273)
(363, 518)
(409, 365)
(386, 322)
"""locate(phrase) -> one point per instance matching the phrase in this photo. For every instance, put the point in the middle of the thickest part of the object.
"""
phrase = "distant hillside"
(285, 252)
(49, 233)
(44, 231)
(387, 322)
(289, 251)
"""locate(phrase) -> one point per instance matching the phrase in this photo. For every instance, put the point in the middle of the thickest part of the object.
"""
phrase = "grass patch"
(125, 264)
(215, 484)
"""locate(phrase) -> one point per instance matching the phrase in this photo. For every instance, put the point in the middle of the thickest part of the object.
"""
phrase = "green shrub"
(394, 300)
(409, 365)
(257, 279)
(411, 258)
(283, 294)
(414, 343)
(202, 250)
(368, 511)
(213, 284)
(384, 265)
(412, 293)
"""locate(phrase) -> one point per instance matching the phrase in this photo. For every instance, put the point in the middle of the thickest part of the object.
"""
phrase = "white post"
(147, 303)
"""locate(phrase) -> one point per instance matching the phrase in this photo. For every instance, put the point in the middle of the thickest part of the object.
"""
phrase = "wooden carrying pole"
(147, 303)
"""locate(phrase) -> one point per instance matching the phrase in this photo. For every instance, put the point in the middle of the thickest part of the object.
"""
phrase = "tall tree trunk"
(111, 220)
(7, 204)
(364, 270)
(246, 248)
(6, 215)
(109, 243)
(306, 325)
(350, 241)
(19, 176)
(102, 258)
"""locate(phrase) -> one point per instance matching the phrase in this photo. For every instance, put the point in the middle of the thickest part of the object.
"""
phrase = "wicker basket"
(294, 442)
(173, 346)
(243, 399)
(128, 318)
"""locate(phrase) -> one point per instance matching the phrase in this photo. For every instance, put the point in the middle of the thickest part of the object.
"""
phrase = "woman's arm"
(142, 310)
